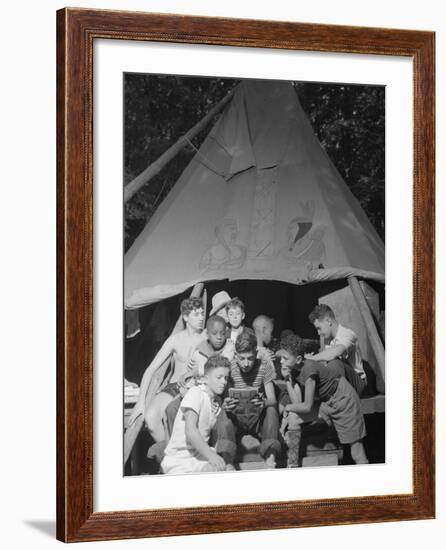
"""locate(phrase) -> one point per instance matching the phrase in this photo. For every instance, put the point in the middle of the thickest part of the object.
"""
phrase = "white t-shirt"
(347, 338)
(199, 401)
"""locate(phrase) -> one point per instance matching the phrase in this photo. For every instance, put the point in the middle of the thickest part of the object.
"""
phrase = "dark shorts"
(172, 389)
(343, 408)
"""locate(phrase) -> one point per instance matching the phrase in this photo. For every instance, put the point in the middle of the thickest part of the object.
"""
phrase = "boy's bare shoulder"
(184, 336)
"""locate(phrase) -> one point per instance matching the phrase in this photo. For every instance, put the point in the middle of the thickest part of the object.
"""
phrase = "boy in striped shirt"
(258, 416)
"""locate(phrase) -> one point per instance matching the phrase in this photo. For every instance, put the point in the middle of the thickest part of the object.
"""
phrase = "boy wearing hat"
(219, 302)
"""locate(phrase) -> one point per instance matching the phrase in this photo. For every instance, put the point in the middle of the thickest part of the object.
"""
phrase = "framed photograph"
(245, 275)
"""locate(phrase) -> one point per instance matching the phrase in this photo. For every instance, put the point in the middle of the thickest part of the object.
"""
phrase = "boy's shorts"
(172, 464)
(344, 410)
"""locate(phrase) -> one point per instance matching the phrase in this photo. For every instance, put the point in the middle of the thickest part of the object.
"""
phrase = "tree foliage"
(159, 109)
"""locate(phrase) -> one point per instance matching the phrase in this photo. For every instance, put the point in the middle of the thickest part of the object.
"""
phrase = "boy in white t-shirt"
(341, 344)
(188, 450)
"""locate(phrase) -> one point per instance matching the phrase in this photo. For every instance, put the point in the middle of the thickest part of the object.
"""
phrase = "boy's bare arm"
(328, 354)
(270, 395)
(294, 392)
(305, 407)
(196, 441)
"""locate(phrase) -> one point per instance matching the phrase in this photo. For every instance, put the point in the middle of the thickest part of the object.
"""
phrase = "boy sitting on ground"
(188, 449)
(180, 346)
(340, 405)
(341, 346)
(258, 416)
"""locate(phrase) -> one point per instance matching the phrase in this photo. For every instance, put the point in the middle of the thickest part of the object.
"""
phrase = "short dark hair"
(320, 312)
(215, 319)
(285, 332)
(246, 341)
(216, 361)
(190, 304)
(293, 344)
(235, 302)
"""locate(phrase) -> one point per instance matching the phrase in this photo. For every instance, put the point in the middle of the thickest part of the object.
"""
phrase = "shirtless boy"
(180, 346)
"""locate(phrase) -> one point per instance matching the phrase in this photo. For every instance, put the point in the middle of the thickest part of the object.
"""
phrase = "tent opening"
(289, 305)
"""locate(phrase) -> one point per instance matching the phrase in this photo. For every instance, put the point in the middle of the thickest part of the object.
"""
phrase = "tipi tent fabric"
(260, 200)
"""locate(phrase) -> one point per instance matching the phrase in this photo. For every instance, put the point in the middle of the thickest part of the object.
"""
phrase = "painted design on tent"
(305, 248)
(305, 240)
(224, 253)
(263, 226)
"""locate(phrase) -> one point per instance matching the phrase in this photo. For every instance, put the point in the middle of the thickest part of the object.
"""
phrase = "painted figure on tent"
(225, 253)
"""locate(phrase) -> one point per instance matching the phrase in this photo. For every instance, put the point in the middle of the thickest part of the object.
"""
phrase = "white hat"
(219, 301)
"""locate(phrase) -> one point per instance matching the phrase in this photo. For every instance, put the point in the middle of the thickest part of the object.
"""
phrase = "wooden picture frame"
(76, 31)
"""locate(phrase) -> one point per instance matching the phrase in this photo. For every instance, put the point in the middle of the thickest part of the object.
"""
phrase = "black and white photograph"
(254, 274)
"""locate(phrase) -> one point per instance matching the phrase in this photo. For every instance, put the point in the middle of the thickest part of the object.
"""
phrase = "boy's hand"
(265, 354)
(285, 371)
(217, 462)
(258, 401)
(308, 355)
(229, 404)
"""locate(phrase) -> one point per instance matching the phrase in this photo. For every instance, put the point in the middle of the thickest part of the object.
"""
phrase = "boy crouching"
(188, 449)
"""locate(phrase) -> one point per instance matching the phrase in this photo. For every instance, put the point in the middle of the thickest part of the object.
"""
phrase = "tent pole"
(132, 431)
(153, 169)
(364, 310)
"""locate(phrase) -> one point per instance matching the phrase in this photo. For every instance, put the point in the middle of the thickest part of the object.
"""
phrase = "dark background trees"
(348, 121)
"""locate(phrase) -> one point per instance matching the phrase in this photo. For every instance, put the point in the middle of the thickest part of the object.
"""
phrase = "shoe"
(270, 462)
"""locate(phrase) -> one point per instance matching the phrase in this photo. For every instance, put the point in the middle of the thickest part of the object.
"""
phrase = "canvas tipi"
(260, 200)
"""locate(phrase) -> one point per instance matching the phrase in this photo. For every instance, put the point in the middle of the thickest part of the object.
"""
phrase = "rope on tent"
(155, 168)
(203, 160)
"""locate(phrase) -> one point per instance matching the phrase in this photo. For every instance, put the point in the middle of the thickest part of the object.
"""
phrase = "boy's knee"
(336, 363)
(154, 415)
(150, 417)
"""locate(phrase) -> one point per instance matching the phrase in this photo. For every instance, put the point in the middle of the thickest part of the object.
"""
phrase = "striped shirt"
(261, 373)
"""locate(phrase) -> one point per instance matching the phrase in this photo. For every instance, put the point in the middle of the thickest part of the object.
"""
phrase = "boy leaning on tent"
(179, 346)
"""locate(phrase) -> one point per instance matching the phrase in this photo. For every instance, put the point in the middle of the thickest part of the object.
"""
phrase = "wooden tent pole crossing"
(364, 310)
(132, 431)
(155, 168)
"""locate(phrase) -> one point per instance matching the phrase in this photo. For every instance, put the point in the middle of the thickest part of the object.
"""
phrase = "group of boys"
(222, 388)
